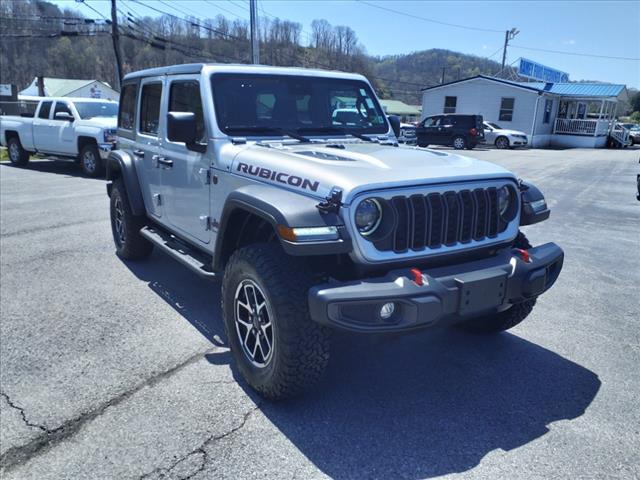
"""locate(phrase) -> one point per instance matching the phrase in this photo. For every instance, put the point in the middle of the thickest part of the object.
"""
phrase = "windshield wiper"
(274, 130)
(339, 131)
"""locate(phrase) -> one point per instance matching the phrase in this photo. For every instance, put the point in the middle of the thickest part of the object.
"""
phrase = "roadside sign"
(536, 71)
(5, 90)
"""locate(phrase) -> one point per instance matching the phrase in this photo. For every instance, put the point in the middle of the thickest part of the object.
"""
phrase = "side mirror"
(182, 128)
(394, 121)
(64, 116)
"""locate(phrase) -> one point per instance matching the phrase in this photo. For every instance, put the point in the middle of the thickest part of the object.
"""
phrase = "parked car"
(311, 226)
(407, 133)
(80, 128)
(455, 130)
(503, 138)
(634, 132)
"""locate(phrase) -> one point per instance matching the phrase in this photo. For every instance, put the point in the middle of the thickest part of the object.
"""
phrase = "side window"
(45, 108)
(61, 107)
(127, 113)
(506, 109)
(548, 106)
(184, 96)
(446, 122)
(431, 121)
(150, 108)
(450, 104)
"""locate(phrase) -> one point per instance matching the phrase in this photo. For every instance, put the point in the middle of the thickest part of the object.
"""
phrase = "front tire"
(501, 321)
(125, 226)
(18, 156)
(90, 161)
(502, 143)
(279, 350)
(459, 143)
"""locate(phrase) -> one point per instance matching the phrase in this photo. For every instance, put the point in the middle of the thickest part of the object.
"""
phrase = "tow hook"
(332, 202)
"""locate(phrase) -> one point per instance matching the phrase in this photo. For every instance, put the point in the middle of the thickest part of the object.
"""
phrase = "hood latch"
(332, 202)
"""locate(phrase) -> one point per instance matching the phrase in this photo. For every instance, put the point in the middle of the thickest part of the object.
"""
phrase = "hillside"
(422, 69)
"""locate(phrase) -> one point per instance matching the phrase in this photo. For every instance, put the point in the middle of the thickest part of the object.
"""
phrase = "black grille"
(444, 219)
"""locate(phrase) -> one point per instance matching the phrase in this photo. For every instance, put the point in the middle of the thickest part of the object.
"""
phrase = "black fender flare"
(120, 163)
(282, 207)
(529, 193)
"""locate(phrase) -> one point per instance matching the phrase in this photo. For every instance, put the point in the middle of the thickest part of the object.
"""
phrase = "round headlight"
(504, 198)
(368, 216)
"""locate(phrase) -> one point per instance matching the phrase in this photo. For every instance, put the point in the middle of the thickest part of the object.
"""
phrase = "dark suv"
(457, 131)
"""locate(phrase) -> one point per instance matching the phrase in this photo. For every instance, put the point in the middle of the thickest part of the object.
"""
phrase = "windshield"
(88, 110)
(494, 125)
(254, 104)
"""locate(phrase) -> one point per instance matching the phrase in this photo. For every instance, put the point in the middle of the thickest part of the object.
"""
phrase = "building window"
(506, 109)
(150, 108)
(548, 106)
(127, 113)
(450, 104)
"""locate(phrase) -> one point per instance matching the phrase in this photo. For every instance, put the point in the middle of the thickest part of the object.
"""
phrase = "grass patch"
(4, 157)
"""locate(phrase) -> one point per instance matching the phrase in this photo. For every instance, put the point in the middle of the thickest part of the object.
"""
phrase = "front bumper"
(447, 295)
(105, 149)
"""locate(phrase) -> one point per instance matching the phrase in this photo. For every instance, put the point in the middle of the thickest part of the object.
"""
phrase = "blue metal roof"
(578, 89)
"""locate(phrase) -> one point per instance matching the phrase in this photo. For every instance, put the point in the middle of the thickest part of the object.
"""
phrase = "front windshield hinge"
(332, 202)
(238, 140)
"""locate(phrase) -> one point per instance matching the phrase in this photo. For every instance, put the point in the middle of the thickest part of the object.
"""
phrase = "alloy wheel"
(253, 319)
(118, 221)
(89, 161)
(14, 152)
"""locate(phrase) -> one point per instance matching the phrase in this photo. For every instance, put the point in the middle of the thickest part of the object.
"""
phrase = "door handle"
(138, 153)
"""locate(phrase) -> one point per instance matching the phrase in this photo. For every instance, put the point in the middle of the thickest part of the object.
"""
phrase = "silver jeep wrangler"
(289, 186)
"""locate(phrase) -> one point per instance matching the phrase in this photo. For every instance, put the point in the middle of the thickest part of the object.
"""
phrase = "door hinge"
(206, 172)
(157, 198)
(205, 221)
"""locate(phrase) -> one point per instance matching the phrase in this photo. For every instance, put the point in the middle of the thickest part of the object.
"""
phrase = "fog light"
(387, 310)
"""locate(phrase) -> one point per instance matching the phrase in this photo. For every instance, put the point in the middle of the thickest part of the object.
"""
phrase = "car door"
(60, 134)
(41, 125)
(147, 147)
(186, 172)
(489, 133)
(427, 131)
(445, 130)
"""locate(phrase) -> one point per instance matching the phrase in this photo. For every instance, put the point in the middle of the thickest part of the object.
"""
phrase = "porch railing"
(572, 126)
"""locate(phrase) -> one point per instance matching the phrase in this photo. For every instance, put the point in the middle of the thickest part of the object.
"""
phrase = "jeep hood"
(316, 168)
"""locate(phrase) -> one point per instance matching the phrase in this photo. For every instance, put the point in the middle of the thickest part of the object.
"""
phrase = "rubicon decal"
(281, 177)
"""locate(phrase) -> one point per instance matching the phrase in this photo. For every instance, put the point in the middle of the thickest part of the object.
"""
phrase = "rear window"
(150, 108)
(127, 113)
(45, 108)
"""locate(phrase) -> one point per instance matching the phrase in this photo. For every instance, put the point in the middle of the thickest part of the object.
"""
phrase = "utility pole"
(508, 35)
(115, 36)
(443, 71)
(255, 39)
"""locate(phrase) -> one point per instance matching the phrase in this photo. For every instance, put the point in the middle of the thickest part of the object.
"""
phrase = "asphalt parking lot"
(111, 369)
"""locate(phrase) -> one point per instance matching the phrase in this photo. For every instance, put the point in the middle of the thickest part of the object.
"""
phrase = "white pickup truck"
(80, 128)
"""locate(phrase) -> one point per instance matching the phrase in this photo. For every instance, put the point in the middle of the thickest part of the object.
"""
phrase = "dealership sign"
(536, 71)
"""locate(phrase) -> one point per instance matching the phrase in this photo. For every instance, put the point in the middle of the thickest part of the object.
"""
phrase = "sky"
(604, 28)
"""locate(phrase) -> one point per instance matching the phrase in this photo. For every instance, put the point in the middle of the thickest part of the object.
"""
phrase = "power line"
(430, 20)
(593, 55)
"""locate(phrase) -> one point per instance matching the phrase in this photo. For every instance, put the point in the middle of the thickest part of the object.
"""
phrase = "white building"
(68, 87)
(551, 114)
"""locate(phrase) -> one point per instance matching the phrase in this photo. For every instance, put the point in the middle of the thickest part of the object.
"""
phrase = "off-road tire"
(90, 161)
(18, 156)
(133, 246)
(459, 145)
(501, 321)
(300, 346)
(502, 143)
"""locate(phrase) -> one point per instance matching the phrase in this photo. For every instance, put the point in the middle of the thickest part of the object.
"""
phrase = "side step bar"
(188, 256)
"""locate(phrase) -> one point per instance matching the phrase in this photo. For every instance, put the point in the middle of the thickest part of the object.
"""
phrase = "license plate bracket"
(481, 290)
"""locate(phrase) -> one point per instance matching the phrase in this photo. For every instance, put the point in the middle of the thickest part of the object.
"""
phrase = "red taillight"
(473, 132)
